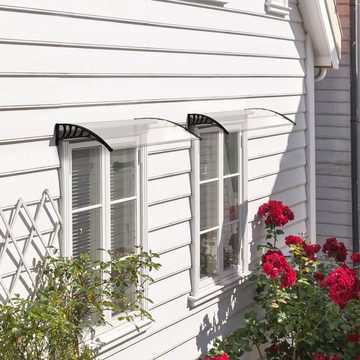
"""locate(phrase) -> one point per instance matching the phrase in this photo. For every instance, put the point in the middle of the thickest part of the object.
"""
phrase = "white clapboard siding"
(170, 264)
(169, 238)
(274, 164)
(89, 31)
(276, 183)
(179, 328)
(276, 144)
(27, 156)
(334, 206)
(333, 156)
(80, 61)
(170, 288)
(112, 62)
(168, 188)
(171, 212)
(165, 164)
(28, 186)
(342, 182)
(18, 91)
(290, 197)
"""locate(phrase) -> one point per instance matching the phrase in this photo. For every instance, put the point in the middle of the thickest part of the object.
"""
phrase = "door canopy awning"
(239, 120)
(125, 133)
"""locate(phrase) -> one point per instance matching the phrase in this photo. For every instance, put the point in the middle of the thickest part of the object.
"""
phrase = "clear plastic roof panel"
(240, 120)
(126, 133)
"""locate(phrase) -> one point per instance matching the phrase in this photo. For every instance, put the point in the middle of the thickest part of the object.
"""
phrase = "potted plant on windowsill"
(310, 309)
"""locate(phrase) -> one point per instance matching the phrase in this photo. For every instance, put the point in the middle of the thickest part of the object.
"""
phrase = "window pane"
(85, 177)
(208, 254)
(122, 173)
(208, 205)
(86, 232)
(231, 195)
(209, 156)
(231, 245)
(123, 227)
(231, 153)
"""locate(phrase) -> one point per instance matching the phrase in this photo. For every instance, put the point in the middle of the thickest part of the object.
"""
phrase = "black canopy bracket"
(72, 131)
(199, 119)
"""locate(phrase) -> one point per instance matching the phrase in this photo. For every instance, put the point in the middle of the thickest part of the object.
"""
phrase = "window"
(102, 196)
(279, 7)
(218, 183)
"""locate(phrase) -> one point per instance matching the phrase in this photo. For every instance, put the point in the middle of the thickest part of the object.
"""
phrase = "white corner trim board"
(279, 7)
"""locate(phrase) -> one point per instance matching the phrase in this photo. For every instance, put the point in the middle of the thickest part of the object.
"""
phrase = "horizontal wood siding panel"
(28, 186)
(276, 163)
(27, 156)
(165, 164)
(168, 288)
(62, 60)
(18, 91)
(41, 27)
(168, 213)
(170, 263)
(168, 188)
(277, 183)
(276, 144)
(290, 197)
(169, 238)
(333, 157)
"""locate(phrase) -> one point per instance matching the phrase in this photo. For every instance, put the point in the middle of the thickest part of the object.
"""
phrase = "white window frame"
(277, 7)
(204, 290)
(115, 330)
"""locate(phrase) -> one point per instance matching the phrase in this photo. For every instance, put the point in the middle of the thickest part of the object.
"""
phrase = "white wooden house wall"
(333, 156)
(64, 61)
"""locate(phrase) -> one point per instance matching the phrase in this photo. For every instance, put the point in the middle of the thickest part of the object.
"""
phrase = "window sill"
(212, 291)
(276, 9)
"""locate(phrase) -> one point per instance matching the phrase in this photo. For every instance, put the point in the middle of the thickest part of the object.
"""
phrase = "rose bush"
(308, 310)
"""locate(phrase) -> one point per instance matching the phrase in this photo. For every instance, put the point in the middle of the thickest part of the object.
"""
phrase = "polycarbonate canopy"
(240, 120)
(126, 133)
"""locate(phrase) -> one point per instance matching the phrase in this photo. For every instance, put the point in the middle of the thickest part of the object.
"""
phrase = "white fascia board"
(317, 23)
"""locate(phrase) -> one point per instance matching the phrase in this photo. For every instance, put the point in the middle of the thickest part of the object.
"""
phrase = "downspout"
(321, 75)
(354, 119)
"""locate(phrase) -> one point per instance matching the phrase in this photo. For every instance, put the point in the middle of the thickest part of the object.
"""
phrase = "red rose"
(319, 276)
(334, 357)
(276, 266)
(276, 213)
(311, 250)
(293, 240)
(224, 356)
(343, 284)
(354, 338)
(335, 249)
(355, 257)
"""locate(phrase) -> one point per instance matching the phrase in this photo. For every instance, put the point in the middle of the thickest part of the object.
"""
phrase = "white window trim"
(205, 290)
(277, 7)
(116, 329)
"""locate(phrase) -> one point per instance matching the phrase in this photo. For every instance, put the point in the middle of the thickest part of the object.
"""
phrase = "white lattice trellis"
(27, 234)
